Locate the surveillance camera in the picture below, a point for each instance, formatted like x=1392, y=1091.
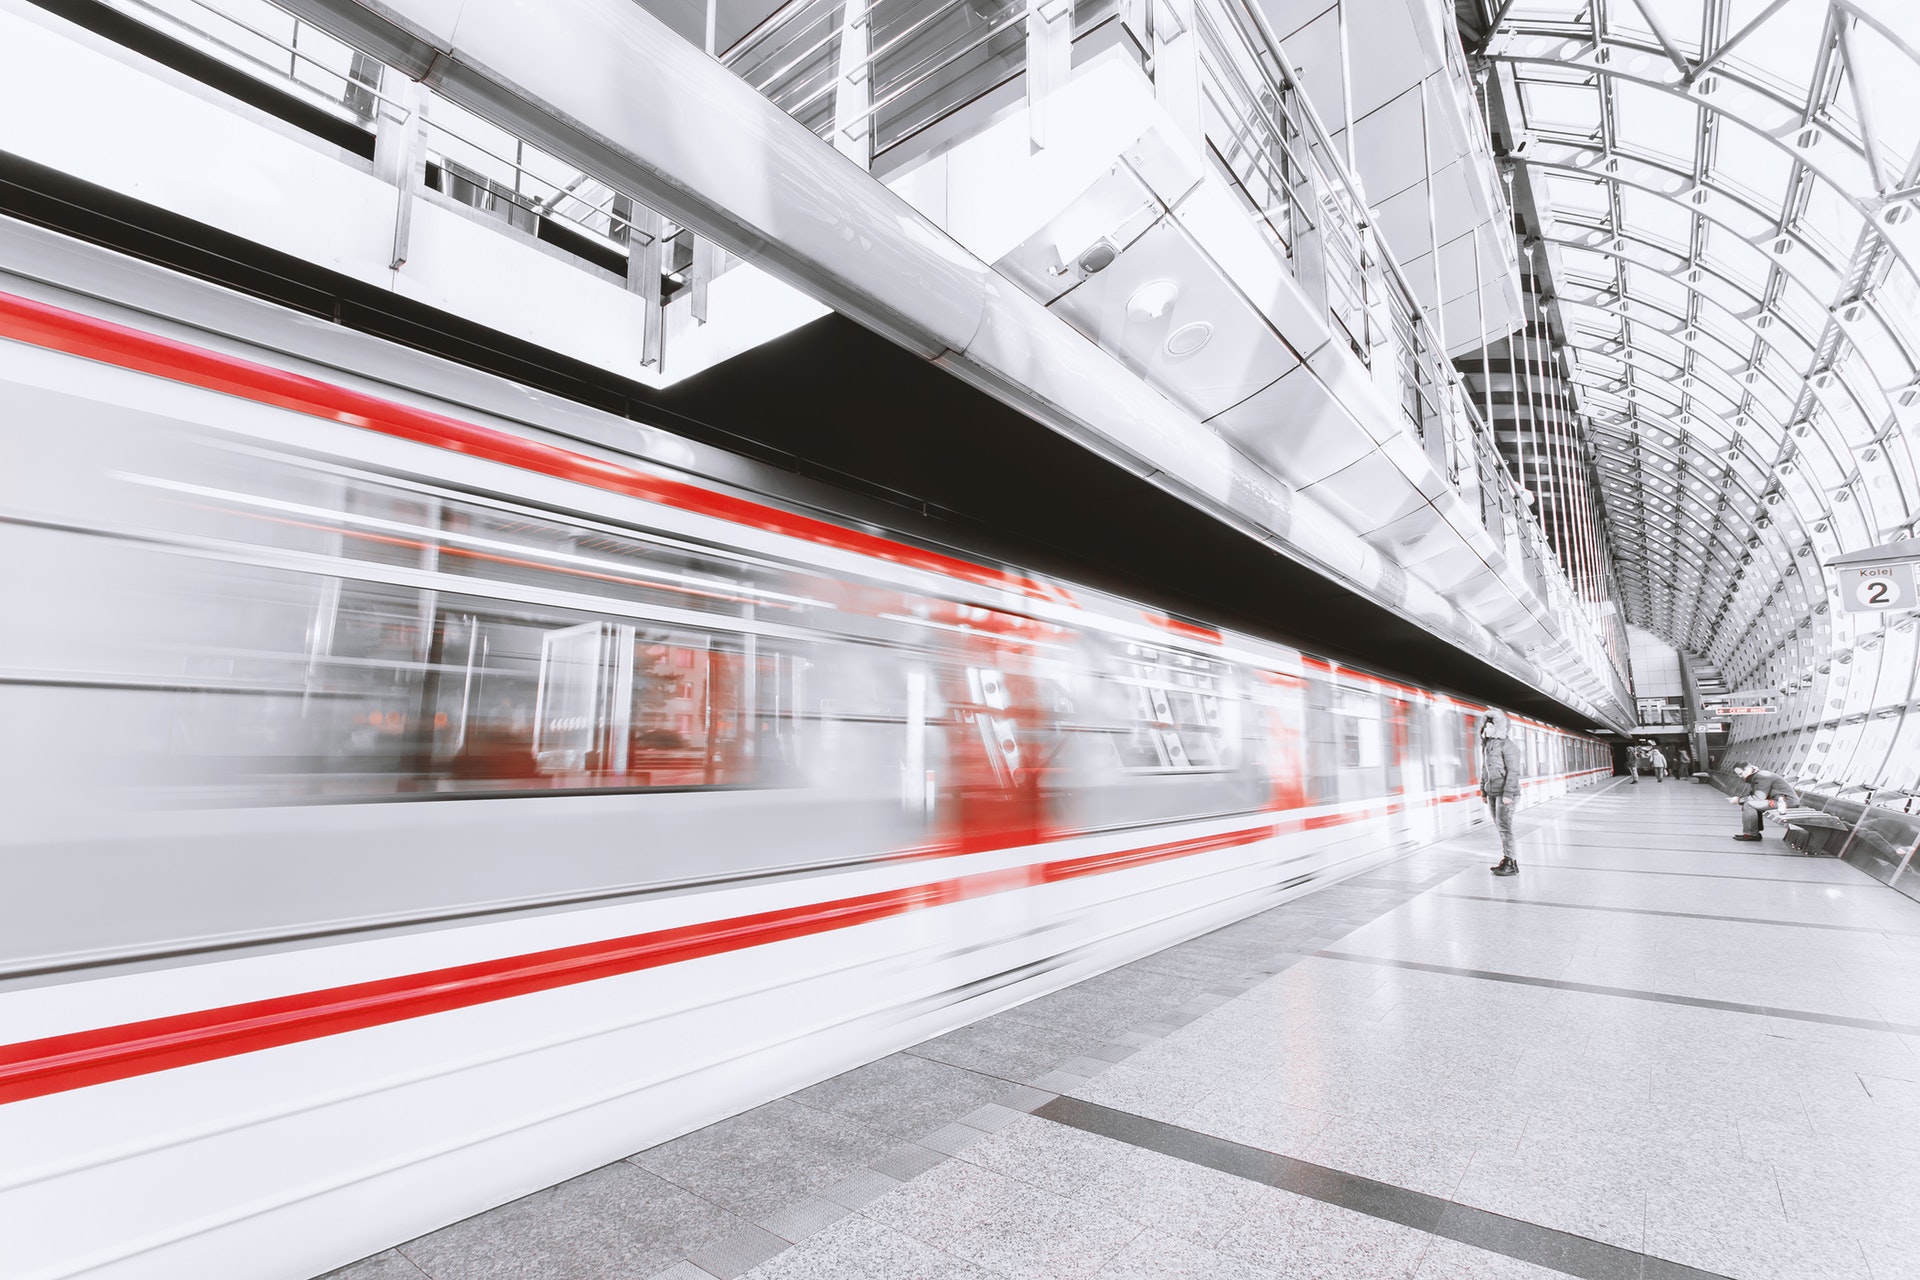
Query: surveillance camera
x=1098, y=257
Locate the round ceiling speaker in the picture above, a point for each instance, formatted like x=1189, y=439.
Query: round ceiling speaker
x=1189, y=338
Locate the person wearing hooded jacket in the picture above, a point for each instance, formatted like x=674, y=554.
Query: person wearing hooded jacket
x=1502, y=769
x=1759, y=792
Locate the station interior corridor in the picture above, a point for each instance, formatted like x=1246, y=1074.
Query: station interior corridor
x=864, y=639
x=1654, y=1053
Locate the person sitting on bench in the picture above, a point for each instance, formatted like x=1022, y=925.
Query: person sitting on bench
x=1761, y=792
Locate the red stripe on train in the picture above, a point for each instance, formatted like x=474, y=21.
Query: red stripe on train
x=92, y=338
x=59, y=1063
x=56, y=1064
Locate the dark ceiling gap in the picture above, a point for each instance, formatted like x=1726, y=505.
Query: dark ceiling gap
x=916, y=450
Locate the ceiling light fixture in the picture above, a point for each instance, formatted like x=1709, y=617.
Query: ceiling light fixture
x=1152, y=300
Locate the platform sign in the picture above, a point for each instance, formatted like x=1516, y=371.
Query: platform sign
x=1876, y=588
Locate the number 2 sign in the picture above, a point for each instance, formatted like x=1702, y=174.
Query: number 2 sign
x=1877, y=588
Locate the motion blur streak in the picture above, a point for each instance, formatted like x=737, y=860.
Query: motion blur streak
x=410, y=807
x=38, y=1067
x=27, y=321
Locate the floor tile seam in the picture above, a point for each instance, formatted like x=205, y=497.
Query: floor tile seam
x=1249, y=977
x=1667, y=829
x=1690, y=850
x=1631, y=993
x=741, y=1240
x=958, y=1261
x=1668, y=840
x=1447, y=1217
x=409, y=1259
x=1683, y=915
x=1640, y=817
x=1162, y=1025
x=982, y=1267
x=940, y=1158
x=1870, y=883
x=677, y=1185
x=741, y=1223
x=943, y=1157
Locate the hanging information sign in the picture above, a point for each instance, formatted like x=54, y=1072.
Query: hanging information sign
x=1876, y=579
x=1876, y=588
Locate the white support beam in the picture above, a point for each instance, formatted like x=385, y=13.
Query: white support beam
x=645, y=248
x=1727, y=46
x=1659, y=30
x=1862, y=106
x=400, y=154
x=1049, y=61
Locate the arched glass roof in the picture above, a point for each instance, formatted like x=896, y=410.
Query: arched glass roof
x=1726, y=194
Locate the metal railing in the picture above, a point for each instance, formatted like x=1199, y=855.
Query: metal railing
x=272, y=44
x=871, y=75
x=1259, y=126
x=420, y=140
x=1366, y=294
x=943, y=58
x=878, y=72
x=490, y=169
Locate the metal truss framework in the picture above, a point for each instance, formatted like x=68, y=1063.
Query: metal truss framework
x=1725, y=192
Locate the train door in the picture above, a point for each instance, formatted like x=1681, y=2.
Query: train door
x=1420, y=771
x=1002, y=734
x=1283, y=699
x=1400, y=767
x=1322, y=745
x=1467, y=733
x=1363, y=756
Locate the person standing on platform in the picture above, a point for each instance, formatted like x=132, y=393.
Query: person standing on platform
x=1659, y=763
x=1501, y=772
x=1633, y=762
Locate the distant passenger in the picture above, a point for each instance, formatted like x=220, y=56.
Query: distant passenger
x=1659, y=763
x=1761, y=792
x=1633, y=764
x=1501, y=772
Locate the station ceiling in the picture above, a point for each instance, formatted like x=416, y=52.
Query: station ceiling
x=1722, y=195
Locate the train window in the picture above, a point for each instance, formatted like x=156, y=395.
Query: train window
x=1359, y=728
x=604, y=704
x=1183, y=711
x=1448, y=742
x=1418, y=765
x=1323, y=753
x=435, y=644
x=1345, y=742
x=513, y=700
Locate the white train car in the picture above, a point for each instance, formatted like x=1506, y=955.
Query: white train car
x=410, y=804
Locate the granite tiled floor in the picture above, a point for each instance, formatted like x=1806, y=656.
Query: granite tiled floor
x=1655, y=1053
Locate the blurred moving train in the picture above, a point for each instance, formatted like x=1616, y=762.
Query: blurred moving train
x=411, y=802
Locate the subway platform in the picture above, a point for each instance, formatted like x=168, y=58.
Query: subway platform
x=1655, y=1053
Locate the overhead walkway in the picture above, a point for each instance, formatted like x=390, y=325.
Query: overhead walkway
x=1149, y=268
x=1654, y=1053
